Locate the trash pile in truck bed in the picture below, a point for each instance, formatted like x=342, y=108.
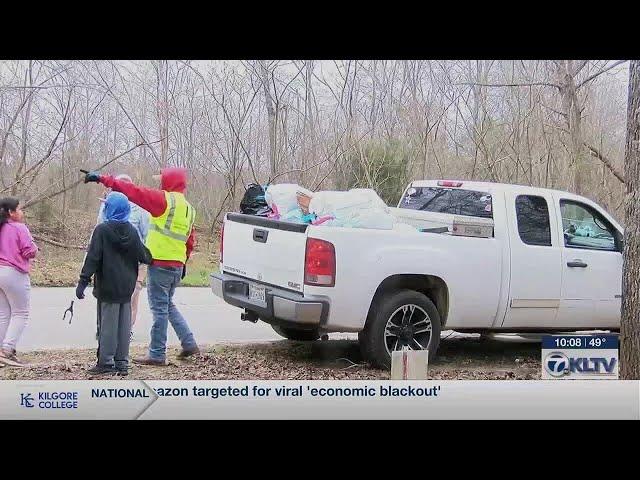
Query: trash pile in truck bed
x=356, y=208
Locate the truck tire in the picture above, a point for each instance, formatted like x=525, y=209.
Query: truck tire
x=296, y=334
x=384, y=330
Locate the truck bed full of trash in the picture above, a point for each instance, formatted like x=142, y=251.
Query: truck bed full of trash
x=356, y=208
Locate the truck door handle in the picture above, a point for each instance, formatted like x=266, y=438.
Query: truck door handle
x=260, y=235
x=577, y=263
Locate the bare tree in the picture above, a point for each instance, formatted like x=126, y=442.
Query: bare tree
x=546, y=123
x=630, y=322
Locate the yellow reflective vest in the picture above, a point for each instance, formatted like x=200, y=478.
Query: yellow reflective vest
x=168, y=233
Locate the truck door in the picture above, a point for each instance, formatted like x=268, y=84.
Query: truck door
x=591, y=267
x=535, y=254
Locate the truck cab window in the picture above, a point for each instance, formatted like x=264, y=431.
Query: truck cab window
x=448, y=200
x=584, y=227
x=532, y=213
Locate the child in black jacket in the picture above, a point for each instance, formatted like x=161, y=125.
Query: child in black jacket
x=114, y=254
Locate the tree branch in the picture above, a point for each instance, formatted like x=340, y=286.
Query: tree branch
x=563, y=114
x=306, y=169
x=594, y=152
x=579, y=67
x=588, y=79
x=75, y=184
x=58, y=244
x=532, y=84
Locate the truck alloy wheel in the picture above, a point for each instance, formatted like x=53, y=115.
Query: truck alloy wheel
x=397, y=319
x=408, y=326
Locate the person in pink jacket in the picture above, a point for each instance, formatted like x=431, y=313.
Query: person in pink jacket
x=16, y=251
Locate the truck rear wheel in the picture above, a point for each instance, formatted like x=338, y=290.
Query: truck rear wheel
x=398, y=319
x=296, y=334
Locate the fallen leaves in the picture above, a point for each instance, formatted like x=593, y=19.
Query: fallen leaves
x=458, y=359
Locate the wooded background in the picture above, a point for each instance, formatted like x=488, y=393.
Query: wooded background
x=322, y=124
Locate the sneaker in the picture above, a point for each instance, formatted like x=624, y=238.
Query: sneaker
x=122, y=372
x=8, y=357
x=149, y=361
x=187, y=353
x=101, y=370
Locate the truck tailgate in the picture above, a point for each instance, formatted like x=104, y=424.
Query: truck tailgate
x=268, y=251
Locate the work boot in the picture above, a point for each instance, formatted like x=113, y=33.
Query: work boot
x=187, y=353
x=149, y=361
x=8, y=357
x=101, y=370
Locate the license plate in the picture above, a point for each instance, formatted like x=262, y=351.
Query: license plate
x=257, y=293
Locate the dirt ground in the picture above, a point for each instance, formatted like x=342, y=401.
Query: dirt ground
x=459, y=358
x=60, y=267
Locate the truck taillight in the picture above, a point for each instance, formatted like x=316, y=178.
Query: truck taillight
x=319, y=263
x=449, y=183
x=221, y=242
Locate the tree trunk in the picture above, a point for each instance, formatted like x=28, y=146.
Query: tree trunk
x=478, y=112
x=26, y=119
x=630, y=322
x=309, y=134
x=271, y=114
x=162, y=103
x=573, y=118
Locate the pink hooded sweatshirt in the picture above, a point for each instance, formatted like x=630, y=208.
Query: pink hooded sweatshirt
x=16, y=246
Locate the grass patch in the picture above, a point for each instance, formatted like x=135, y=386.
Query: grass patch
x=56, y=267
x=200, y=267
x=60, y=267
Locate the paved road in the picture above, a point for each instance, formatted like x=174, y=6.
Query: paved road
x=211, y=320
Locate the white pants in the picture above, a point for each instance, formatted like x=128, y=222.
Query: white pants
x=135, y=298
x=15, y=295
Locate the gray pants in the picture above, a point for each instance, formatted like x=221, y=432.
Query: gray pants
x=115, y=332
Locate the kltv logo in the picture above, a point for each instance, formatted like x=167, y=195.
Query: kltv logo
x=557, y=364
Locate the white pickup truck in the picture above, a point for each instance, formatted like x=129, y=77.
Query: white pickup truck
x=490, y=258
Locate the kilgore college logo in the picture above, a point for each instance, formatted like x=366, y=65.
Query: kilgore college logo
x=50, y=400
x=556, y=364
x=26, y=400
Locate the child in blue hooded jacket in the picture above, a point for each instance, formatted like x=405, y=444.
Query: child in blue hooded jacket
x=114, y=255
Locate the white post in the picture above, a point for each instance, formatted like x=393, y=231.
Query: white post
x=409, y=364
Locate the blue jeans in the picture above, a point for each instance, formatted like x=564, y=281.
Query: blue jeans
x=161, y=285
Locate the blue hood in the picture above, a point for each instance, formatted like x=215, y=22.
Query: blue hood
x=116, y=207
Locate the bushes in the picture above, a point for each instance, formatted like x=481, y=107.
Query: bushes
x=380, y=165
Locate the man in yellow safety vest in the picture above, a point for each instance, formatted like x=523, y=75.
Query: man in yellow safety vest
x=171, y=240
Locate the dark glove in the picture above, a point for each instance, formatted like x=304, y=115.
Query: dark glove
x=80, y=290
x=92, y=177
x=184, y=272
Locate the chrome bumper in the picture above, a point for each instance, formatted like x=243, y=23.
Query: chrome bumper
x=280, y=304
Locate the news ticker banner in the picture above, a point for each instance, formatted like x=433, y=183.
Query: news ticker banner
x=363, y=399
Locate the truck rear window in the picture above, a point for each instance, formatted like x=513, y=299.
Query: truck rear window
x=448, y=200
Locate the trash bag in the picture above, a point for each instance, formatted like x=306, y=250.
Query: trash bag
x=288, y=201
x=357, y=208
x=327, y=202
x=285, y=196
x=295, y=215
x=321, y=220
x=373, y=218
x=253, y=201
